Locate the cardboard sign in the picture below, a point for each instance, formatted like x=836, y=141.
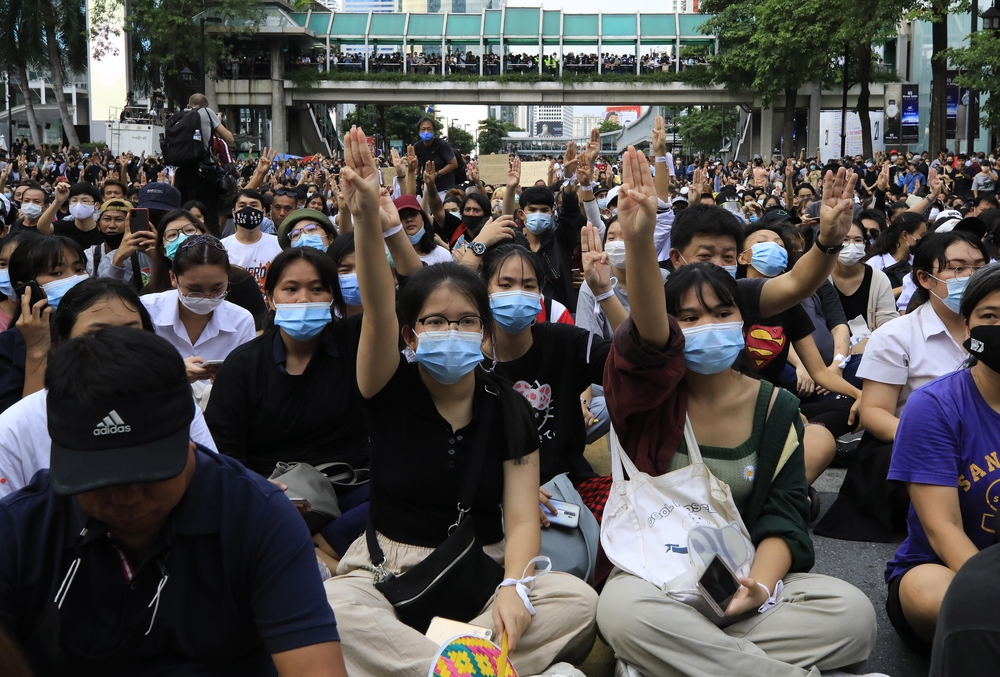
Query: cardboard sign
x=493, y=168
x=533, y=171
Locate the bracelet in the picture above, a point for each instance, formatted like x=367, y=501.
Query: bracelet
x=608, y=294
x=661, y=158
x=840, y=359
x=523, y=585
x=392, y=231
x=772, y=600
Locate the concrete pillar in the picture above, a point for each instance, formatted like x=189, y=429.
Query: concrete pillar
x=279, y=115
x=815, y=105
x=766, y=133
x=210, y=94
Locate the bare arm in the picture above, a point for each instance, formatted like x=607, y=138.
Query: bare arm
x=315, y=660
x=224, y=134
x=935, y=185
x=878, y=409
x=813, y=362
x=662, y=179
x=404, y=256
x=513, y=181
x=941, y=517
x=597, y=272
x=432, y=201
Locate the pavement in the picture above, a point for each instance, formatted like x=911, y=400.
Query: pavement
x=860, y=563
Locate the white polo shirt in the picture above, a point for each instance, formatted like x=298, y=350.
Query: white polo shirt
x=230, y=327
x=911, y=351
x=25, y=444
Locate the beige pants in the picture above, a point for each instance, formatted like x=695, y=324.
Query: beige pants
x=376, y=644
x=823, y=624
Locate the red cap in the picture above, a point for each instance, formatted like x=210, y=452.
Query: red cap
x=406, y=202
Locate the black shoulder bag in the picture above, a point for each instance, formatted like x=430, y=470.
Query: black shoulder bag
x=458, y=578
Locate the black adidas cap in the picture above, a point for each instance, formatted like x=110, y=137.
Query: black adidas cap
x=119, y=441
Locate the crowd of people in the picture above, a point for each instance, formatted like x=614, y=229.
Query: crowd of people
x=189, y=381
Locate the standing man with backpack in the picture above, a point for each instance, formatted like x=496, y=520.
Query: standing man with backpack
x=187, y=144
x=433, y=148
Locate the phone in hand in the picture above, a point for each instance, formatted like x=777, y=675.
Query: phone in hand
x=567, y=514
x=301, y=503
x=718, y=585
x=138, y=220
x=36, y=292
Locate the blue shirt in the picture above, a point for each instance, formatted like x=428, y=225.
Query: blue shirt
x=243, y=581
x=948, y=436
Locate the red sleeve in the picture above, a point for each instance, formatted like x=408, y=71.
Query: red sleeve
x=646, y=399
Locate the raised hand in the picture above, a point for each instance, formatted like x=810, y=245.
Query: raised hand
x=496, y=231
x=637, y=198
x=388, y=213
x=659, y=137
x=472, y=171
x=570, y=159
x=514, y=174
x=400, y=163
x=359, y=182
x=430, y=174
x=882, y=183
x=596, y=266
x=62, y=192
x=593, y=147
x=837, y=209
x=934, y=183
x=411, y=159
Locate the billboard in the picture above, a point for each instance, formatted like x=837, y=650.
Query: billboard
x=829, y=124
x=952, y=105
x=626, y=114
x=910, y=124
x=549, y=129
x=893, y=119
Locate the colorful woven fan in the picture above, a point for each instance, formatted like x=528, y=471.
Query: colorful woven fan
x=467, y=656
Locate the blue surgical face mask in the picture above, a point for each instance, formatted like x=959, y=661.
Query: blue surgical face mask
x=538, y=223
x=426, y=136
x=55, y=290
x=956, y=287
x=449, y=355
x=310, y=240
x=302, y=321
x=769, y=258
x=417, y=236
x=349, y=288
x=731, y=270
x=170, y=249
x=602, y=203
x=5, y=286
x=712, y=348
x=515, y=310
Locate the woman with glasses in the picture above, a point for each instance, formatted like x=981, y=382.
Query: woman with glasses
x=194, y=315
x=306, y=228
x=178, y=226
x=901, y=356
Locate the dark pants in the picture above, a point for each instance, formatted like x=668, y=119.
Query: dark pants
x=344, y=530
x=192, y=187
x=967, y=640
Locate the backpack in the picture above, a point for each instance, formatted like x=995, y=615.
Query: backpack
x=181, y=142
x=460, y=175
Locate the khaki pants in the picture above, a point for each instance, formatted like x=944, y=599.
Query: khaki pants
x=823, y=624
x=376, y=644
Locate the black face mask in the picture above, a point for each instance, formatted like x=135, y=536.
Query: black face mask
x=473, y=223
x=248, y=218
x=984, y=344
x=113, y=240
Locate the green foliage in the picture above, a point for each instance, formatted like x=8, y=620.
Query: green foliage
x=491, y=131
x=393, y=122
x=609, y=126
x=701, y=129
x=461, y=140
x=980, y=64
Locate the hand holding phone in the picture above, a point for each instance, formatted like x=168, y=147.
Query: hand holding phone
x=138, y=220
x=718, y=585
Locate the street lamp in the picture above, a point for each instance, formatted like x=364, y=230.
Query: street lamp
x=205, y=20
x=991, y=19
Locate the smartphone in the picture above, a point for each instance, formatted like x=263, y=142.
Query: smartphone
x=212, y=363
x=138, y=220
x=567, y=514
x=443, y=630
x=36, y=292
x=718, y=585
x=299, y=502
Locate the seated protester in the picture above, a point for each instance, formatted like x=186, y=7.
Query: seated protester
x=552, y=241
x=302, y=373
x=84, y=203
x=124, y=255
x=244, y=592
x=8, y=296
x=419, y=231
x=441, y=402
x=678, y=356
x=343, y=256
x=458, y=232
x=317, y=202
x=550, y=364
x=245, y=198
x=159, y=198
x=284, y=202
x=31, y=203
x=901, y=356
x=892, y=252
x=250, y=248
x=176, y=227
x=87, y=308
x=965, y=642
x=945, y=451
x=112, y=189
x=306, y=228
x=864, y=292
x=198, y=210
x=55, y=265
x=195, y=316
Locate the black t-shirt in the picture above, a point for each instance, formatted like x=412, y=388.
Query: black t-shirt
x=260, y=414
x=857, y=303
x=825, y=312
x=441, y=153
x=67, y=228
x=418, y=463
x=92, y=173
x=551, y=376
x=768, y=338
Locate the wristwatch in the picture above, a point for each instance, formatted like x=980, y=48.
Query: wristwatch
x=834, y=249
x=478, y=248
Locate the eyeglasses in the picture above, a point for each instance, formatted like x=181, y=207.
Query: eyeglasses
x=221, y=294
x=286, y=193
x=962, y=271
x=854, y=240
x=472, y=323
x=308, y=229
x=187, y=229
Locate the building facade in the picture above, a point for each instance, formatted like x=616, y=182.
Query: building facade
x=554, y=121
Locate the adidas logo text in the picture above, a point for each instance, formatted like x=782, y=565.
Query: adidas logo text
x=112, y=424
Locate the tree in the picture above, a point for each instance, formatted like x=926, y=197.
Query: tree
x=936, y=12
x=702, y=129
x=609, y=126
x=66, y=46
x=392, y=122
x=461, y=140
x=980, y=70
x=773, y=47
x=21, y=42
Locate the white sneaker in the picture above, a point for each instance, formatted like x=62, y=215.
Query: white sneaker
x=623, y=669
x=841, y=673
x=560, y=670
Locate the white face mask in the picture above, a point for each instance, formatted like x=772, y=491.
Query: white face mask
x=200, y=306
x=852, y=253
x=31, y=211
x=81, y=211
x=616, y=253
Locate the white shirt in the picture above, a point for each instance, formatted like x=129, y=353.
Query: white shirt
x=256, y=257
x=438, y=255
x=229, y=327
x=911, y=351
x=25, y=444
